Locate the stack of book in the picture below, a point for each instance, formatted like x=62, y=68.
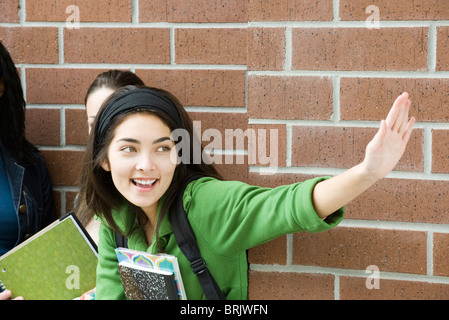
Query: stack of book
x=150, y=277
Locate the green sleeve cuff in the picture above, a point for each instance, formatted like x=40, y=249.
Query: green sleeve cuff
x=312, y=222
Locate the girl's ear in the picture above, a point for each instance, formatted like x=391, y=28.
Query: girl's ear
x=105, y=165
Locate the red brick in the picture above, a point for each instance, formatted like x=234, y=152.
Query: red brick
x=57, y=203
x=266, y=48
x=9, y=11
x=261, y=152
x=31, y=44
x=222, y=122
x=226, y=126
x=64, y=166
x=76, y=128
x=355, y=289
x=341, y=147
x=296, y=10
x=194, y=11
x=233, y=169
x=273, y=252
x=440, y=257
x=385, y=49
x=211, y=46
x=211, y=88
x=403, y=200
x=89, y=11
x=43, y=126
x=117, y=45
x=65, y=86
x=442, y=63
x=440, y=151
x=70, y=200
x=395, y=10
x=358, y=248
x=371, y=98
x=290, y=97
x=290, y=286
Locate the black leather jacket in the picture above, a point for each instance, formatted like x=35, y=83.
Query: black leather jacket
x=32, y=194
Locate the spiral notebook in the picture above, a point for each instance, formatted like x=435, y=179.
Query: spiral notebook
x=143, y=283
x=58, y=263
x=161, y=261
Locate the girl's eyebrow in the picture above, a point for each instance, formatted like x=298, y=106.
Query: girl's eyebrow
x=161, y=140
x=131, y=140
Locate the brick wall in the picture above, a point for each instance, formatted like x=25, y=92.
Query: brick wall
x=321, y=73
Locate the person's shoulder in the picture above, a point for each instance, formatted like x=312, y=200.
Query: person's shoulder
x=38, y=161
x=211, y=184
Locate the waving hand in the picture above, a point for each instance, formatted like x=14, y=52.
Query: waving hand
x=382, y=155
x=388, y=145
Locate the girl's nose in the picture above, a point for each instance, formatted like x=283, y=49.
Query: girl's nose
x=145, y=163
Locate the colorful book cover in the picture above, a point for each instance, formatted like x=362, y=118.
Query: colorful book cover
x=160, y=261
x=58, y=263
x=143, y=283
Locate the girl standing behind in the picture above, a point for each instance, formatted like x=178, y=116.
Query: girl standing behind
x=26, y=203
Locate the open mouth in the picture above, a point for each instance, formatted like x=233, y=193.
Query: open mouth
x=144, y=183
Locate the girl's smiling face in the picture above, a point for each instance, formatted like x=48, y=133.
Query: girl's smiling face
x=142, y=160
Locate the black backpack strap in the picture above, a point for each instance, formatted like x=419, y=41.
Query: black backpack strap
x=186, y=240
x=121, y=240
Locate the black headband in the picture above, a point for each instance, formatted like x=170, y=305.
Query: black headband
x=138, y=98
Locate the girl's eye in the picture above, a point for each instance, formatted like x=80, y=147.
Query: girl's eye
x=128, y=149
x=163, y=149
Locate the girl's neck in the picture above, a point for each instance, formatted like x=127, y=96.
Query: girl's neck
x=150, y=225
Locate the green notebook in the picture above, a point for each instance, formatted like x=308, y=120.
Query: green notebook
x=58, y=263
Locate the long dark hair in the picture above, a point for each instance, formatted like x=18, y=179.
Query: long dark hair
x=12, y=112
x=97, y=185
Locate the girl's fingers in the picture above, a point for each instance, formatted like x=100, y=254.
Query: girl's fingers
x=397, y=118
x=393, y=114
x=402, y=120
x=405, y=119
x=402, y=104
x=408, y=130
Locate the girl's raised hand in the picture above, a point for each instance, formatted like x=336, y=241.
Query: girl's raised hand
x=388, y=145
x=382, y=155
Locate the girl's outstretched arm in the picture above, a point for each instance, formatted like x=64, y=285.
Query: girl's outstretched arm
x=382, y=155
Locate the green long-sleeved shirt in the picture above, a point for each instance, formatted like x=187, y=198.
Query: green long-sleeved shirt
x=228, y=217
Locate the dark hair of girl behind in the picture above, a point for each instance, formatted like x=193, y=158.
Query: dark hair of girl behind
x=12, y=112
